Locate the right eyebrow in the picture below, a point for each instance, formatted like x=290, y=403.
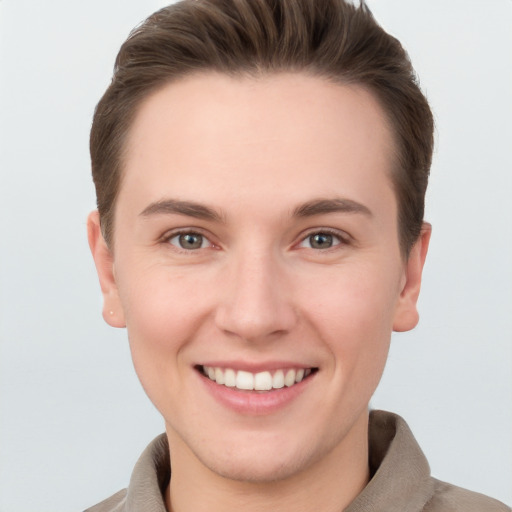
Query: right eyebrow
x=188, y=208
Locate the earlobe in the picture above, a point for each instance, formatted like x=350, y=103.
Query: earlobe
x=112, y=310
x=406, y=314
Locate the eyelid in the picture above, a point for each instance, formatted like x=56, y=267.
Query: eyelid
x=343, y=237
x=169, y=235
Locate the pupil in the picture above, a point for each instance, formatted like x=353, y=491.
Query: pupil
x=321, y=241
x=191, y=241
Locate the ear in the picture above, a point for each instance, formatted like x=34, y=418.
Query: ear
x=406, y=314
x=112, y=310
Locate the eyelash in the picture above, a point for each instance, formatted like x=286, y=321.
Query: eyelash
x=166, y=239
x=342, y=239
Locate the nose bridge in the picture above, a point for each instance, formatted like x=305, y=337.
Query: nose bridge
x=256, y=302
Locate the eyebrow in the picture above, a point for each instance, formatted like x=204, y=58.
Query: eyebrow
x=201, y=211
x=188, y=208
x=323, y=206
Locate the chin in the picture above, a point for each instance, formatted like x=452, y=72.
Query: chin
x=262, y=460
x=257, y=470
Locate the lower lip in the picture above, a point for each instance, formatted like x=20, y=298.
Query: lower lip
x=253, y=402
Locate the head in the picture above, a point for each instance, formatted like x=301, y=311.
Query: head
x=333, y=40
x=260, y=168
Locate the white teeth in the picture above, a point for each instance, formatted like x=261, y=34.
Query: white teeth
x=244, y=380
x=219, y=376
x=262, y=381
x=278, y=380
x=229, y=378
x=289, y=378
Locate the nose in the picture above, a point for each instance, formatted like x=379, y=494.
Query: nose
x=256, y=303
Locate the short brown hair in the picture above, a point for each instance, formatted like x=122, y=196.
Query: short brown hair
x=332, y=39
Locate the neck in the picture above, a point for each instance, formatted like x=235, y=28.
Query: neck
x=327, y=485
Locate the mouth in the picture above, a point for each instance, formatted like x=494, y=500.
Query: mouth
x=263, y=381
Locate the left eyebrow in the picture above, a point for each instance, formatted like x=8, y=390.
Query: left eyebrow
x=323, y=206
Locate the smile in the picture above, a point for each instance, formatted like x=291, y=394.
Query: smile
x=261, y=381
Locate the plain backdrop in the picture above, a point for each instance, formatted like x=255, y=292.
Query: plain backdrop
x=73, y=418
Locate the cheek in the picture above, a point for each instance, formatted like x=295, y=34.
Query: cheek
x=161, y=306
x=163, y=314
x=355, y=296
x=353, y=310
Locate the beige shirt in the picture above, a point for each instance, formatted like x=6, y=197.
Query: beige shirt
x=400, y=482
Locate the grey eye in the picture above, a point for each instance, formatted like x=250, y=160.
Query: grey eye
x=320, y=240
x=189, y=241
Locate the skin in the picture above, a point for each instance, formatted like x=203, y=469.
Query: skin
x=256, y=291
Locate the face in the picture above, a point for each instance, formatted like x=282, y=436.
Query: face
x=256, y=245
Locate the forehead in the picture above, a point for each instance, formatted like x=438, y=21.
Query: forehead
x=210, y=133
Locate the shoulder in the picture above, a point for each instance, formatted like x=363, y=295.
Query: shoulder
x=450, y=498
x=148, y=481
x=116, y=503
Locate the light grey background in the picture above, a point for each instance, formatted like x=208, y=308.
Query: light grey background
x=73, y=418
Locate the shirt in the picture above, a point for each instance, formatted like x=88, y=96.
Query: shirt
x=400, y=481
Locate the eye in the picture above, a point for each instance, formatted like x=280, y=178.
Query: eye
x=189, y=241
x=321, y=240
